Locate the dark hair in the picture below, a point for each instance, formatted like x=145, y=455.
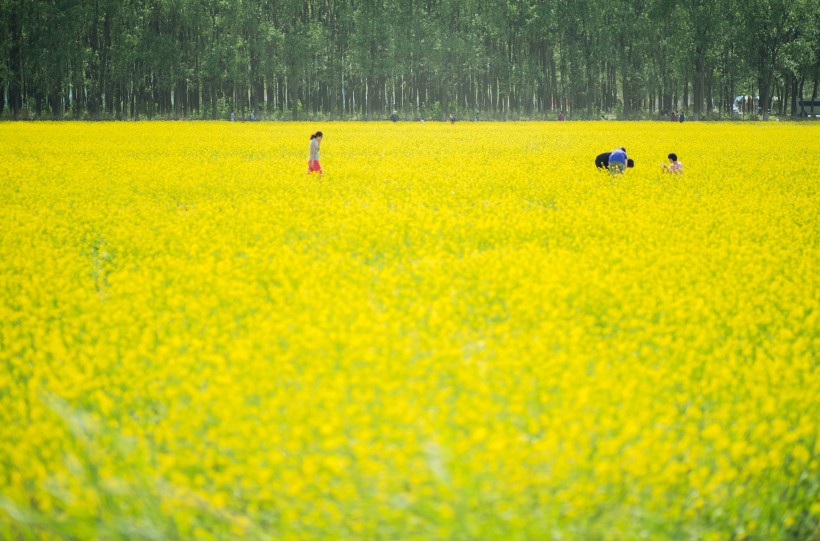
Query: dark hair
x=315, y=135
x=630, y=162
x=622, y=148
x=672, y=156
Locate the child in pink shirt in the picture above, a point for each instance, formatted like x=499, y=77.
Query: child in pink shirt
x=674, y=165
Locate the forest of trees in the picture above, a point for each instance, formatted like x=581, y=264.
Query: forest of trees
x=363, y=59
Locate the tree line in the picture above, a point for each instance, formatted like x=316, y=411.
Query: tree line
x=365, y=59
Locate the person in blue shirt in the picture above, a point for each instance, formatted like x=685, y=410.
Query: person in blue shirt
x=621, y=162
x=617, y=161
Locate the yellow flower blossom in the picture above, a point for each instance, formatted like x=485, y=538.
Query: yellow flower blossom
x=457, y=332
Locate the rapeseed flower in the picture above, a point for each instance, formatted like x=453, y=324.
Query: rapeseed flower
x=201, y=342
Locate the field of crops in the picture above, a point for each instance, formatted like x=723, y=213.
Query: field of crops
x=457, y=333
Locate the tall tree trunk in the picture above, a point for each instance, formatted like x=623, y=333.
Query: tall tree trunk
x=764, y=88
x=15, y=88
x=709, y=90
x=179, y=92
x=797, y=86
x=93, y=72
x=54, y=102
x=697, y=84
x=625, y=90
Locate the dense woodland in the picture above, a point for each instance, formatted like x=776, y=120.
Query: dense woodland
x=364, y=59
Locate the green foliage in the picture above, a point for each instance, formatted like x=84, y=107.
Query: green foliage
x=435, y=111
x=514, y=59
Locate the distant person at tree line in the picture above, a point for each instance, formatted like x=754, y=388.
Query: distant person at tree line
x=452, y=118
x=616, y=161
x=394, y=117
x=674, y=165
x=313, y=158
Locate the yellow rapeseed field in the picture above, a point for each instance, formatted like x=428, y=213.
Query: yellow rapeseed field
x=457, y=333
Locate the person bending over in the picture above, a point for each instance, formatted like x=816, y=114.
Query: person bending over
x=602, y=161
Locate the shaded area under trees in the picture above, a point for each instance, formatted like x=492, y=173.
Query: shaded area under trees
x=297, y=59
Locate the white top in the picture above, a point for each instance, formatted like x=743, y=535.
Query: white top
x=314, y=150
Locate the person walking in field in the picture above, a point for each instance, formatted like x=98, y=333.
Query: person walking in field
x=313, y=157
x=674, y=165
x=603, y=160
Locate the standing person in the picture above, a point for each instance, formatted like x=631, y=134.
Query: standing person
x=452, y=118
x=313, y=158
x=674, y=166
x=602, y=160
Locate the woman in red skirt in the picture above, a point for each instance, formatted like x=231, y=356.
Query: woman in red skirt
x=313, y=158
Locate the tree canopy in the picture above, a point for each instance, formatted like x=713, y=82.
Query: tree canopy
x=502, y=59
